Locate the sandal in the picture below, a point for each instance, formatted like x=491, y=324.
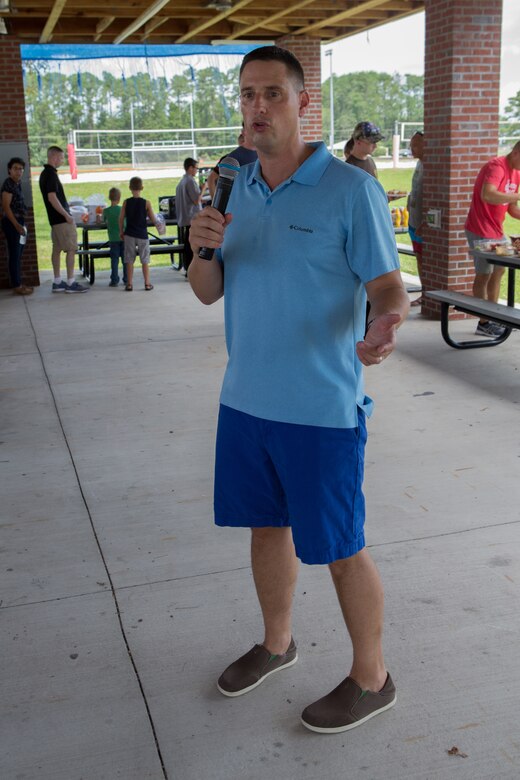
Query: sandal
x=129, y=288
x=418, y=302
x=148, y=287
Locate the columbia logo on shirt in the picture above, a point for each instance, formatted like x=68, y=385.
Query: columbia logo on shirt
x=301, y=229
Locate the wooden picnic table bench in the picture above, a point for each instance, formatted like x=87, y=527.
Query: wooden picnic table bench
x=405, y=249
x=88, y=256
x=504, y=314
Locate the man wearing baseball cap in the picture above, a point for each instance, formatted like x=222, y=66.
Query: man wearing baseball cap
x=365, y=138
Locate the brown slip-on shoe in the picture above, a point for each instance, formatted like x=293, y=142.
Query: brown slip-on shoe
x=252, y=669
x=347, y=706
x=22, y=290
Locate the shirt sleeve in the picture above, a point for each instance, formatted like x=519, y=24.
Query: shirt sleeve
x=9, y=186
x=371, y=247
x=494, y=173
x=193, y=190
x=50, y=184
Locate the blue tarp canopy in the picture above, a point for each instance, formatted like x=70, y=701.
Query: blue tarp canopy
x=80, y=51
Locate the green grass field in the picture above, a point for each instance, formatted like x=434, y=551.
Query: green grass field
x=390, y=178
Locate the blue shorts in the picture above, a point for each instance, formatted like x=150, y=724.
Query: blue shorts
x=300, y=476
x=413, y=235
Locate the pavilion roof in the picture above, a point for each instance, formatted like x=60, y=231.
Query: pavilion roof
x=196, y=21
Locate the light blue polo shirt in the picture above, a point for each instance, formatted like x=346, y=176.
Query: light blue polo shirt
x=295, y=263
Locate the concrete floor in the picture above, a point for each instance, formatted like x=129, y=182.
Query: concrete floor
x=121, y=603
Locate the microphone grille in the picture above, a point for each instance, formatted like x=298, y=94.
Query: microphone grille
x=229, y=167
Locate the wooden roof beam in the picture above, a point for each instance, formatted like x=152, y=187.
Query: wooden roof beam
x=270, y=19
x=350, y=13
x=51, y=22
x=150, y=12
x=197, y=28
x=153, y=25
x=340, y=36
x=102, y=26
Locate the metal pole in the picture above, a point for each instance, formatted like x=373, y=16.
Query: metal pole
x=395, y=146
x=192, y=127
x=132, y=129
x=328, y=53
x=191, y=111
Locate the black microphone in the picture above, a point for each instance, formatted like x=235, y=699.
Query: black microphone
x=228, y=170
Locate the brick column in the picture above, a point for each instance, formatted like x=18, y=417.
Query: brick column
x=13, y=128
x=308, y=52
x=461, y=104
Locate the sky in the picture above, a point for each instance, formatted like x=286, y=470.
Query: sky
x=399, y=48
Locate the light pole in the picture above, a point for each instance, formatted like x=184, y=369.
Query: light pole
x=328, y=53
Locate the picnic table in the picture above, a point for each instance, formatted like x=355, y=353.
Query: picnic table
x=504, y=314
x=89, y=250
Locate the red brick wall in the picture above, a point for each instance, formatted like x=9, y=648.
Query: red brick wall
x=13, y=127
x=461, y=103
x=308, y=52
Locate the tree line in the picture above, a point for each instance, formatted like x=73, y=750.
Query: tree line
x=381, y=98
x=57, y=103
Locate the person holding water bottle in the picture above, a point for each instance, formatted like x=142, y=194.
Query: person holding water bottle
x=13, y=223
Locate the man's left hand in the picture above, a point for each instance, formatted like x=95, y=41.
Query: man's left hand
x=380, y=339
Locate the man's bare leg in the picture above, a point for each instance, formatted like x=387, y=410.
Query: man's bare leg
x=360, y=594
x=487, y=287
x=56, y=261
x=69, y=259
x=493, y=286
x=275, y=571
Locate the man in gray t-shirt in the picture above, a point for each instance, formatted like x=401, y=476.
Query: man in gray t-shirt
x=187, y=204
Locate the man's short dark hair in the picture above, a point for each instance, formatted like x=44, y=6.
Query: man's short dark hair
x=136, y=183
x=55, y=150
x=189, y=162
x=267, y=53
x=15, y=161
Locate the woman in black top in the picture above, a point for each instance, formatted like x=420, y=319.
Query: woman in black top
x=13, y=223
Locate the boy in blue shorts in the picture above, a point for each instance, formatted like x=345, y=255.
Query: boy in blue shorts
x=307, y=238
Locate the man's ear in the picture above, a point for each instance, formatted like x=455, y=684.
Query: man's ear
x=304, y=102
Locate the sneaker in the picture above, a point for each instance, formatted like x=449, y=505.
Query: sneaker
x=489, y=329
x=252, y=669
x=347, y=706
x=113, y=284
x=75, y=288
x=61, y=287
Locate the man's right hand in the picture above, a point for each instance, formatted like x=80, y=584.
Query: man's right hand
x=70, y=219
x=207, y=229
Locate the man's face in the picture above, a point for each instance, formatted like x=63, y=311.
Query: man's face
x=56, y=159
x=192, y=170
x=515, y=159
x=416, y=146
x=16, y=172
x=272, y=104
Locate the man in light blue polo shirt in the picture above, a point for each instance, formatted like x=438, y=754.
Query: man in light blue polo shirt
x=306, y=239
